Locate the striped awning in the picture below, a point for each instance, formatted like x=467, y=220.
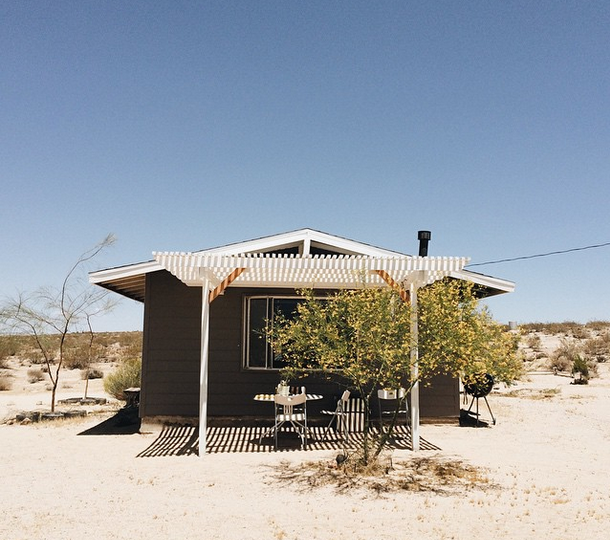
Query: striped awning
x=305, y=271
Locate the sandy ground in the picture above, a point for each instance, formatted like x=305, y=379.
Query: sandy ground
x=547, y=460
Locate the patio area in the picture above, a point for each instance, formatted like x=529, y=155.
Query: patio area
x=183, y=440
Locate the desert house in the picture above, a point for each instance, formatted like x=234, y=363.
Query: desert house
x=203, y=355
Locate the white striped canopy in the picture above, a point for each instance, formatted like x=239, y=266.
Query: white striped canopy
x=306, y=271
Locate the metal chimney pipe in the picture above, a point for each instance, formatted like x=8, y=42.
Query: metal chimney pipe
x=424, y=238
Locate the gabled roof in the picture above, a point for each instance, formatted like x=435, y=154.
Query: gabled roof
x=302, y=242
x=316, y=250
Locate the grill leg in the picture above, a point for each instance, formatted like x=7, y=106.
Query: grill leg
x=489, y=409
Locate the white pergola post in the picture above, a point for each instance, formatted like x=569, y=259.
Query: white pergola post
x=203, y=374
x=414, y=368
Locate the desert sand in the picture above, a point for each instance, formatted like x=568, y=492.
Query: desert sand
x=547, y=462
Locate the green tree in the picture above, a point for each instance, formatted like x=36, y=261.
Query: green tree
x=362, y=339
x=51, y=314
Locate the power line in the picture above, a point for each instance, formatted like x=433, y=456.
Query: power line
x=540, y=255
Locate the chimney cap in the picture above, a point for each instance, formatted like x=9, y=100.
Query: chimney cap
x=424, y=235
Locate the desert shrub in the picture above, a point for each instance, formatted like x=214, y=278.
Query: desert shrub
x=34, y=356
x=598, y=326
x=35, y=375
x=6, y=382
x=581, y=332
x=92, y=373
x=563, y=357
x=532, y=327
x=8, y=348
x=598, y=347
x=566, y=328
x=127, y=375
x=580, y=366
x=583, y=369
x=533, y=341
x=75, y=358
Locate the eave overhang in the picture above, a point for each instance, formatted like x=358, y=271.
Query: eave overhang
x=129, y=281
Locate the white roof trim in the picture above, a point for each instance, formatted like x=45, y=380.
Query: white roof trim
x=501, y=285
x=122, y=272
x=306, y=237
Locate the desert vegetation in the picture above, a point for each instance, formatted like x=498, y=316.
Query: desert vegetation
x=567, y=348
x=111, y=352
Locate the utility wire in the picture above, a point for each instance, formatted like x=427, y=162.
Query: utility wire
x=540, y=255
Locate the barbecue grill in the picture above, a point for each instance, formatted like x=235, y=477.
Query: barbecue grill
x=479, y=387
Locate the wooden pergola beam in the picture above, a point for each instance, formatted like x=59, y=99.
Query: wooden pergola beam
x=404, y=295
x=225, y=283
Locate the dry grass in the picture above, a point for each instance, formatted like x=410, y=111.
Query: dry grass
x=544, y=393
x=427, y=474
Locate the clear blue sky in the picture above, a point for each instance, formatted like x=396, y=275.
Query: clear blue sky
x=185, y=125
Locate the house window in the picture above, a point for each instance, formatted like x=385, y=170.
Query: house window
x=259, y=310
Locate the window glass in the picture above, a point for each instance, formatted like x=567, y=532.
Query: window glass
x=257, y=344
x=259, y=311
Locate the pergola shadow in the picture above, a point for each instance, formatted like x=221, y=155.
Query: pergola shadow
x=183, y=440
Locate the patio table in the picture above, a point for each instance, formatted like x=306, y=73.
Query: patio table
x=270, y=398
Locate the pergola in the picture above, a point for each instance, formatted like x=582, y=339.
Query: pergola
x=214, y=272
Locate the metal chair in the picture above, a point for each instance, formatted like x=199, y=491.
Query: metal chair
x=338, y=416
x=291, y=410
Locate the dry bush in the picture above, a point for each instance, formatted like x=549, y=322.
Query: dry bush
x=35, y=375
x=533, y=341
x=92, y=373
x=562, y=358
x=76, y=358
x=566, y=328
x=532, y=393
x=116, y=346
x=598, y=347
x=6, y=382
x=8, y=348
x=581, y=332
x=433, y=474
x=34, y=356
x=598, y=326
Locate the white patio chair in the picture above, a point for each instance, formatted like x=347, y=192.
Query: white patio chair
x=338, y=416
x=384, y=395
x=291, y=410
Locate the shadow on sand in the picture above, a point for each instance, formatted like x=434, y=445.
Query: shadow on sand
x=183, y=440
x=124, y=422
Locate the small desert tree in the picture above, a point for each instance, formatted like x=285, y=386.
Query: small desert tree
x=50, y=314
x=363, y=338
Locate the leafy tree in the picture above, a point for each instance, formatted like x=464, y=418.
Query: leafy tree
x=51, y=314
x=362, y=339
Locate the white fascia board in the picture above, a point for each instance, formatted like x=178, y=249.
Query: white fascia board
x=350, y=246
x=279, y=241
x=486, y=281
x=121, y=272
x=293, y=238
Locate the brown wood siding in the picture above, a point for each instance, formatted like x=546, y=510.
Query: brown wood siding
x=171, y=358
x=441, y=398
x=172, y=340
